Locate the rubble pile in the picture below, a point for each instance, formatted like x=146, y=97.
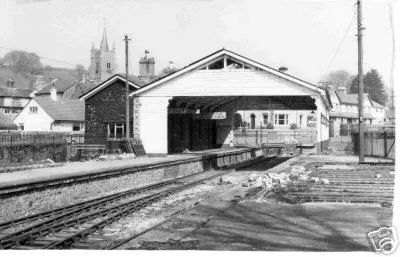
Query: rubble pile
x=275, y=181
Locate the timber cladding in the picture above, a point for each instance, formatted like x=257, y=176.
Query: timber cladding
x=106, y=106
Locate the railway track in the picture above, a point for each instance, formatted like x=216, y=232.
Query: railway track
x=12, y=190
x=60, y=228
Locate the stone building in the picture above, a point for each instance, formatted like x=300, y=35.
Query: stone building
x=105, y=115
x=102, y=61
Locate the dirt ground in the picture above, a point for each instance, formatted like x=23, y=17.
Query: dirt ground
x=236, y=220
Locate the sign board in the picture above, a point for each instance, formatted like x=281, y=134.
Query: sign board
x=211, y=116
x=180, y=111
x=311, y=121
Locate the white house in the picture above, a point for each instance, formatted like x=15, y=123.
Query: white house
x=345, y=110
x=46, y=114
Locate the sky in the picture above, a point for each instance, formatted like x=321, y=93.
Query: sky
x=301, y=35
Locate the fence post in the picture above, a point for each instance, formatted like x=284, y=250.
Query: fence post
x=385, y=144
x=372, y=145
x=256, y=137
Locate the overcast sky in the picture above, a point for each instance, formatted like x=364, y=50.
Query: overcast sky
x=302, y=35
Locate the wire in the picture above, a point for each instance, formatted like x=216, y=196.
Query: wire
x=341, y=42
x=41, y=57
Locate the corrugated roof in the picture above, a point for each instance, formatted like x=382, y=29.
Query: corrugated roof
x=6, y=123
x=66, y=110
x=15, y=92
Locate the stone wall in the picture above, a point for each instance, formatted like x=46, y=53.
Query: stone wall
x=106, y=106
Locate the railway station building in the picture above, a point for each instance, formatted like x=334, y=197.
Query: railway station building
x=224, y=98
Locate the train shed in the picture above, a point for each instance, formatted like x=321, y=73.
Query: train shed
x=210, y=102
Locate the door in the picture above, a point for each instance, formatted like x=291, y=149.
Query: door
x=252, y=121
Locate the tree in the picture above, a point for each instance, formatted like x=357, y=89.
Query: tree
x=167, y=70
x=373, y=85
x=21, y=61
x=339, y=78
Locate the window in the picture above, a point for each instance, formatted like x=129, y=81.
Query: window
x=115, y=130
x=265, y=119
x=7, y=110
x=108, y=65
x=281, y=119
x=216, y=65
x=33, y=109
x=76, y=127
x=21, y=126
x=14, y=110
x=16, y=101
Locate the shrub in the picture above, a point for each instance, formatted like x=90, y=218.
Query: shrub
x=270, y=126
x=293, y=126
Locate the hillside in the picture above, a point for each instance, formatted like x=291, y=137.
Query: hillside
x=24, y=79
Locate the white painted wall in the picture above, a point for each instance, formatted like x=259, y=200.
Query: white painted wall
x=153, y=119
x=228, y=82
x=293, y=117
x=153, y=113
x=39, y=121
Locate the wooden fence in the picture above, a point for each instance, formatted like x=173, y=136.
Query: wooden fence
x=377, y=144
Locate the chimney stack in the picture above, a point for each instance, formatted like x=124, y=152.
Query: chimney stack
x=10, y=82
x=342, y=90
x=53, y=91
x=171, y=65
x=83, y=80
x=146, y=67
x=283, y=69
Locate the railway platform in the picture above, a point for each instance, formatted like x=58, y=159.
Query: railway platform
x=96, y=168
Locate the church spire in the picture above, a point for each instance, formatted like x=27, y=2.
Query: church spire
x=103, y=43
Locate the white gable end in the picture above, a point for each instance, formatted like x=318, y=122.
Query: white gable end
x=245, y=82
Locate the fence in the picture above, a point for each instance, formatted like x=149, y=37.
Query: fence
x=27, y=147
x=377, y=143
x=261, y=136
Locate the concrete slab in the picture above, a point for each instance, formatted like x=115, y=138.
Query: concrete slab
x=334, y=167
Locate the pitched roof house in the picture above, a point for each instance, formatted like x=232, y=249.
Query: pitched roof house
x=12, y=99
x=46, y=114
x=105, y=106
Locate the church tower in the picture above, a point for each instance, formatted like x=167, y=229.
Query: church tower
x=102, y=60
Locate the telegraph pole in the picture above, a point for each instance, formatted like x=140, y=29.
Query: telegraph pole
x=360, y=83
x=126, y=39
